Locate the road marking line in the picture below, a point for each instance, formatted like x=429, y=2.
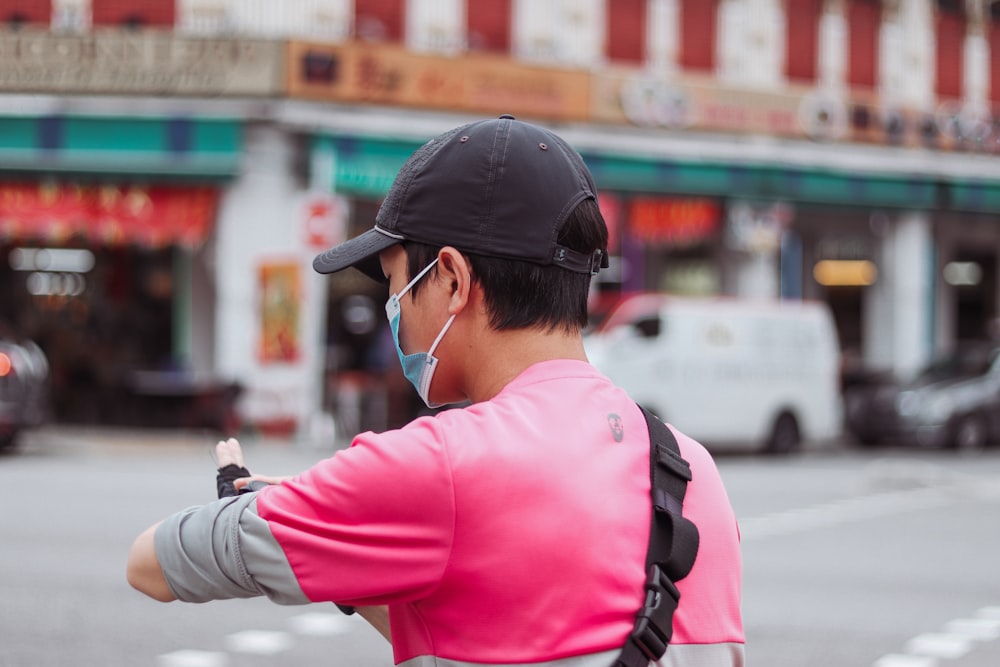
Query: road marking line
x=958, y=639
x=260, y=642
x=840, y=511
x=320, y=625
x=939, y=645
x=898, y=660
x=192, y=659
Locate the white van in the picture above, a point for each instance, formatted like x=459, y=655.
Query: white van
x=731, y=373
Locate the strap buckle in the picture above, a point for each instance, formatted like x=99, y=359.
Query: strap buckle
x=654, y=624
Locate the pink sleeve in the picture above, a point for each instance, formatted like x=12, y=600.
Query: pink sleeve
x=373, y=524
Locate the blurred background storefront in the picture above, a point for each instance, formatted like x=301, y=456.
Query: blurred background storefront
x=185, y=159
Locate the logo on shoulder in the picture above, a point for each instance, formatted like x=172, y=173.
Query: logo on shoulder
x=617, y=426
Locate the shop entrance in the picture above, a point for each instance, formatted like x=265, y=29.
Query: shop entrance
x=973, y=275
x=99, y=276
x=101, y=315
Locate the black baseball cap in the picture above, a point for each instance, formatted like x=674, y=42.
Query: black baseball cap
x=501, y=188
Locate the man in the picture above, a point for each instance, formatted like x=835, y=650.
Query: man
x=511, y=531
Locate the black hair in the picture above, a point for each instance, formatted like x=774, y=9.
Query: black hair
x=522, y=294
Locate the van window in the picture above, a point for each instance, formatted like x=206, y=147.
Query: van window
x=648, y=327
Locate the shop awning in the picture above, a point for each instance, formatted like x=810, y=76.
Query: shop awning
x=111, y=214
x=178, y=148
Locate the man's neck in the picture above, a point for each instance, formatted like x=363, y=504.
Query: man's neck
x=506, y=354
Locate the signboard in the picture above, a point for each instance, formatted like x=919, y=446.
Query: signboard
x=153, y=216
x=631, y=98
x=324, y=220
x=382, y=74
x=674, y=221
x=701, y=103
x=138, y=62
x=951, y=126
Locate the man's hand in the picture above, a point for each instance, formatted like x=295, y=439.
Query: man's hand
x=229, y=457
x=229, y=452
x=233, y=475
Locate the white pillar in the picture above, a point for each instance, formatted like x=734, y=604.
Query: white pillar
x=260, y=222
x=758, y=275
x=877, y=321
x=754, y=235
x=911, y=282
x=317, y=428
x=946, y=324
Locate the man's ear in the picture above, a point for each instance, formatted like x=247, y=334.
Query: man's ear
x=456, y=273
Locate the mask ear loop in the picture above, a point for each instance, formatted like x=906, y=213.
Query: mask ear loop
x=444, y=330
x=417, y=277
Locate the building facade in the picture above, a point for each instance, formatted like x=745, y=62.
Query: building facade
x=202, y=151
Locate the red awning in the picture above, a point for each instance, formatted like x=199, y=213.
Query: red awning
x=154, y=215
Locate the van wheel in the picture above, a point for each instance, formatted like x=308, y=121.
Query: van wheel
x=785, y=436
x=970, y=434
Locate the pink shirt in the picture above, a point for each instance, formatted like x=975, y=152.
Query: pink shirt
x=511, y=531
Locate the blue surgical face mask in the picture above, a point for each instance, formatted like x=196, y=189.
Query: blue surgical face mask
x=419, y=366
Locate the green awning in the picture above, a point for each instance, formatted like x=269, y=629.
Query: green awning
x=364, y=167
x=758, y=181
x=181, y=147
x=367, y=167
x=975, y=197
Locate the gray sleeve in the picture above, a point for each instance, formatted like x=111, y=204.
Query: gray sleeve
x=225, y=550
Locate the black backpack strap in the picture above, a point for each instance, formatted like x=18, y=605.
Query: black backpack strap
x=673, y=546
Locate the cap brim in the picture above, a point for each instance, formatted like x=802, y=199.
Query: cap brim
x=361, y=252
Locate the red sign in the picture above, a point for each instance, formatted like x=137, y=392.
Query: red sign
x=324, y=221
x=108, y=214
x=674, y=221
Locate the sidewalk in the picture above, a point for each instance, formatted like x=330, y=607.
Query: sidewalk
x=122, y=440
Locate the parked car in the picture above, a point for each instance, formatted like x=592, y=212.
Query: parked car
x=24, y=386
x=953, y=402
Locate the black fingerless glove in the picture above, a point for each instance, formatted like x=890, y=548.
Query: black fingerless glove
x=227, y=475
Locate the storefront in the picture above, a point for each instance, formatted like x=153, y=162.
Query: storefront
x=120, y=147
x=104, y=225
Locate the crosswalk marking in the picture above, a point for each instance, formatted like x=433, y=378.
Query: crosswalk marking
x=193, y=659
x=958, y=638
x=898, y=660
x=979, y=629
x=260, y=642
x=264, y=642
x=939, y=645
x=320, y=624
